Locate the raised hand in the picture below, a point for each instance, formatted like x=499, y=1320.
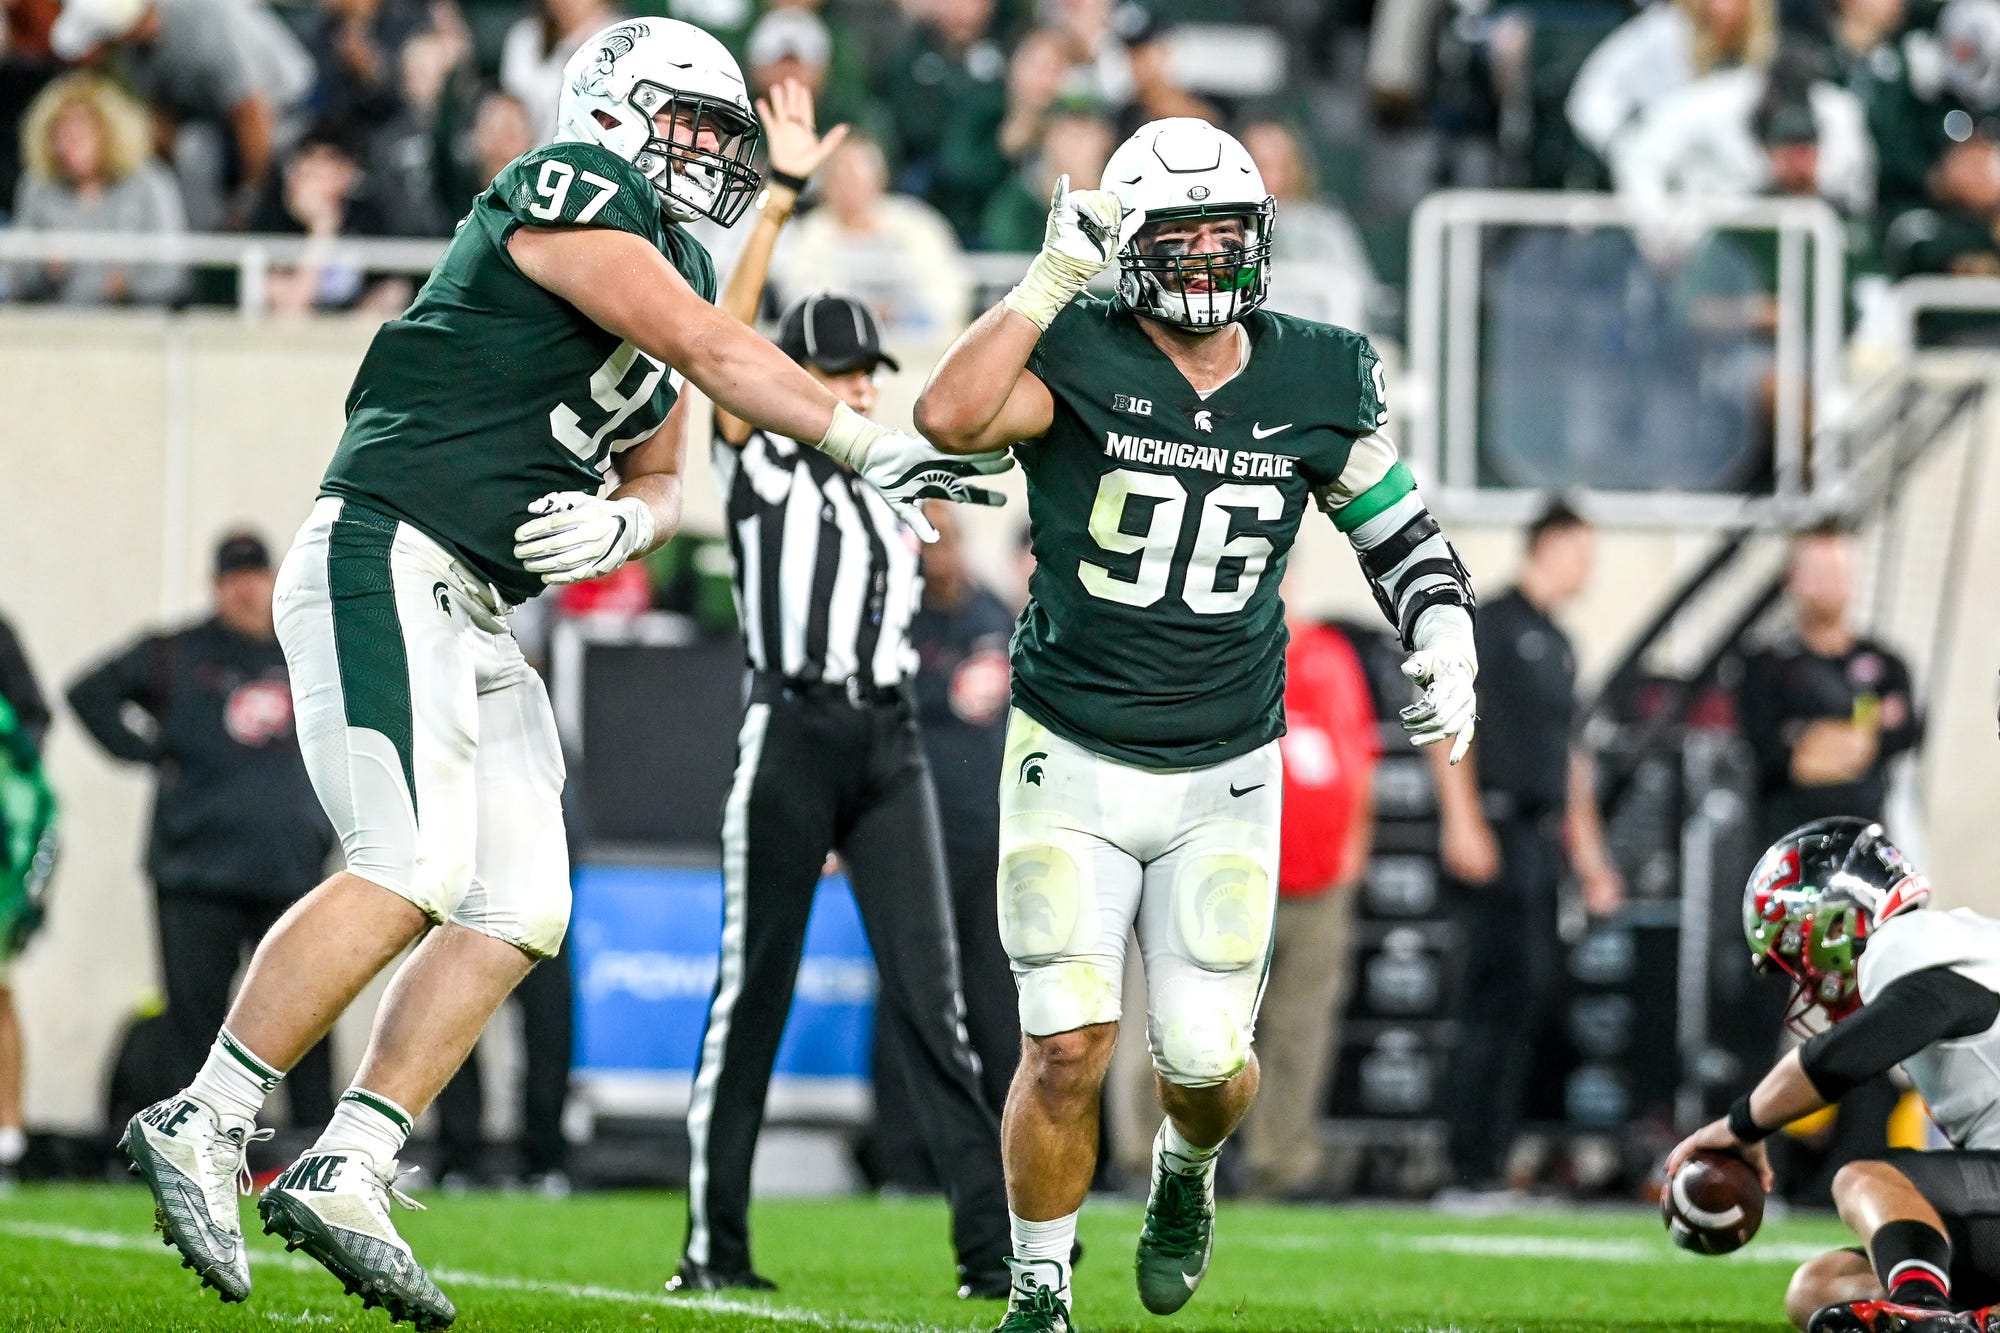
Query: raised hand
x=793, y=146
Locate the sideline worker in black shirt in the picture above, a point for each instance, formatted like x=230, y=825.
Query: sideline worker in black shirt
x=237, y=833
x=1520, y=810
x=1825, y=709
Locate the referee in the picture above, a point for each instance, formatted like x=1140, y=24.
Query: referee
x=829, y=757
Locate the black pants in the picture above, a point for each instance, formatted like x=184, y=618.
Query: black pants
x=204, y=939
x=1513, y=975
x=896, y=1154
x=1964, y=1186
x=548, y=1003
x=812, y=775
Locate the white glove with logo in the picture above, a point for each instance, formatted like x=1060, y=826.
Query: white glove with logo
x=581, y=536
x=905, y=469
x=1445, y=664
x=1081, y=242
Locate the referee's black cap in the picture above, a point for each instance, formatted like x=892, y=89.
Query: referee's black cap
x=838, y=334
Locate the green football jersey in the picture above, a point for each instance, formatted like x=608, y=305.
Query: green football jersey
x=1161, y=522
x=491, y=391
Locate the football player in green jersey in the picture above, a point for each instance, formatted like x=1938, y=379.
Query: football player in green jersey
x=541, y=362
x=1172, y=438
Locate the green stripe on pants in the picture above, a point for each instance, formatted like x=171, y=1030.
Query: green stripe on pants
x=368, y=634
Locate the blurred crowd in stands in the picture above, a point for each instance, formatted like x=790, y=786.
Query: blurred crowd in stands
x=339, y=118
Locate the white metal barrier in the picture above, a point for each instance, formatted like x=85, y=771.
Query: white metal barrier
x=1442, y=390
x=1913, y=298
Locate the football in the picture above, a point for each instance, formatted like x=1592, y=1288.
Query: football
x=1713, y=1204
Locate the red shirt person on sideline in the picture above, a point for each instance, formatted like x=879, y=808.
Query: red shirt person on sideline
x=1330, y=747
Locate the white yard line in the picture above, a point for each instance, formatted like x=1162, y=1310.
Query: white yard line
x=452, y=1277
x=1584, y=1249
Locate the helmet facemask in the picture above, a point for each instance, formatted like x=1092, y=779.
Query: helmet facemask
x=692, y=181
x=1200, y=293
x=1811, y=905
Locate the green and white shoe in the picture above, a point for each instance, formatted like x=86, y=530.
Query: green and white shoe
x=335, y=1207
x=1035, y=1305
x=194, y=1167
x=1176, y=1237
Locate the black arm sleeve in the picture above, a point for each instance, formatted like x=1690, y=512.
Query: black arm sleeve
x=1919, y=1010
x=18, y=688
x=99, y=698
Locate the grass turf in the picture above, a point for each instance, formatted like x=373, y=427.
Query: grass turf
x=82, y=1259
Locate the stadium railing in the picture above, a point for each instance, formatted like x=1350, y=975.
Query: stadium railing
x=1914, y=298
x=1316, y=291
x=1461, y=244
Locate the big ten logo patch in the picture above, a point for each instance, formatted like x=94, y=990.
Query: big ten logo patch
x=1138, y=407
x=258, y=713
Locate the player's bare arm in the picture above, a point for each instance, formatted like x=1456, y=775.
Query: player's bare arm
x=981, y=396
x=795, y=153
x=627, y=287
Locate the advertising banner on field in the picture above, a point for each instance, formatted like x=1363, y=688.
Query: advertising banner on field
x=645, y=943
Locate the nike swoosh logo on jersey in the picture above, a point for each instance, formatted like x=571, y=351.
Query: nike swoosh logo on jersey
x=1234, y=790
x=1259, y=432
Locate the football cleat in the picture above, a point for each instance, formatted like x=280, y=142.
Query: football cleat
x=1032, y=1305
x=1889, y=1317
x=1176, y=1237
x=194, y=1167
x=692, y=1277
x=335, y=1207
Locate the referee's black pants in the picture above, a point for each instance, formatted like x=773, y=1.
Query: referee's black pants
x=1512, y=984
x=816, y=773
x=204, y=938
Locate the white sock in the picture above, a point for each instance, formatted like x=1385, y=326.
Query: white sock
x=367, y=1123
x=1042, y=1250
x=233, y=1082
x=13, y=1144
x=1180, y=1156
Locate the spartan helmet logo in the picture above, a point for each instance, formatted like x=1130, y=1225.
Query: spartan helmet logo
x=618, y=44
x=1031, y=769
x=1203, y=420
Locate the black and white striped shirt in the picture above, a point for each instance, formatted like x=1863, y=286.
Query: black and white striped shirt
x=825, y=574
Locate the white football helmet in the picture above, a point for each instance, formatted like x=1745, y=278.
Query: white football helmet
x=620, y=79
x=1172, y=171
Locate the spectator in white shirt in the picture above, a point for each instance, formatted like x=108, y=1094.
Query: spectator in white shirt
x=536, y=48
x=893, y=252
x=1667, y=46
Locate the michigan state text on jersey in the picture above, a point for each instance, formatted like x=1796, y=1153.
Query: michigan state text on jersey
x=1172, y=440
x=1161, y=520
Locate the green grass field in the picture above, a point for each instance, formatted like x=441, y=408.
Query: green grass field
x=84, y=1258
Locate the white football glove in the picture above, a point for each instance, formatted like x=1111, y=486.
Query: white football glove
x=1081, y=241
x=1445, y=665
x=581, y=536
x=905, y=469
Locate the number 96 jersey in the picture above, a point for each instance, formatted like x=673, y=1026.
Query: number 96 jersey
x=491, y=391
x=1161, y=522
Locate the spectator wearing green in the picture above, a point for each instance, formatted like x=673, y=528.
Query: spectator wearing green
x=948, y=66
x=27, y=854
x=791, y=41
x=983, y=142
x=1074, y=144
x=1949, y=87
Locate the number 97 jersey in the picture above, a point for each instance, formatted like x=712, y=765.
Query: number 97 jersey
x=1161, y=522
x=490, y=391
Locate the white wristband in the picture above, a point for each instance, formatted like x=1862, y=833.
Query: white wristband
x=1051, y=282
x=849, y=436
